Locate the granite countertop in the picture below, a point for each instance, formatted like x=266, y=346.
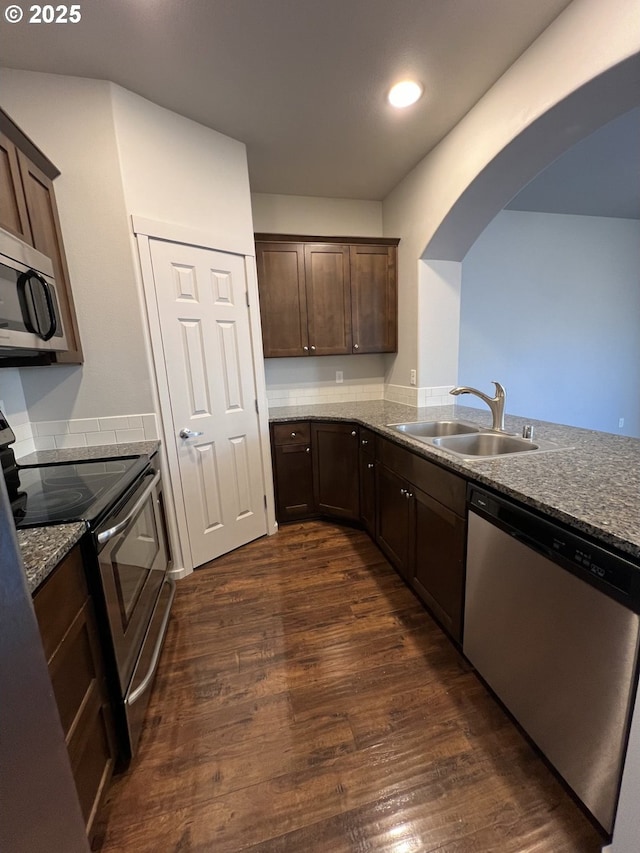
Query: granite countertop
x=43, y=548
x=591, y=484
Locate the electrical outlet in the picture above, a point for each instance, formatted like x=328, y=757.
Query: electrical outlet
x=413, y=377
x=339, y=377
x=620, y=423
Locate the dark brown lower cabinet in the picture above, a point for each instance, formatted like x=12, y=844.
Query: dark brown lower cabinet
x=413, y=508
x=367, y=461
x=292, y=470
x=394, y=523
x=336, y=474
x=421, y=528
x=294, y=474
x=69, y=634
x=438, y=568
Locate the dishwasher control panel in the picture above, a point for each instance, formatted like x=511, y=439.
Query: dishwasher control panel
x=612, y=572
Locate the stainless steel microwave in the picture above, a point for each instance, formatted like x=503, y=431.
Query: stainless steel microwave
x=30, y=320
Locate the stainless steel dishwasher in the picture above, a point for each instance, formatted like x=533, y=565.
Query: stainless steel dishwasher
x=551, y=624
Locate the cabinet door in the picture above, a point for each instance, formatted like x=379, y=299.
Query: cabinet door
x=283, y=301
x=374, y=299
x=71, y=644
x=368, y=493
x=328, y=298
x=47, y=238
x=336, y=469
x=438, y=569
x=13, y=207
x=393, y=519
x=293, y=472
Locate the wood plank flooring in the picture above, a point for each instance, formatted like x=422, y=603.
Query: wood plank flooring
x=307, y=702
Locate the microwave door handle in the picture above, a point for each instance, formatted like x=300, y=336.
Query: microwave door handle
x=53, y=323
x=108, y=534
x=27, y=304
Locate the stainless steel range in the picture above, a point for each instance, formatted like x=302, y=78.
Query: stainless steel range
x=126, y=556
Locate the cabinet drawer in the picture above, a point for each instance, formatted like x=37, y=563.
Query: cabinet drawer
x=73, y=669
x=59, y=600
x=447, y=488
x=293, y=433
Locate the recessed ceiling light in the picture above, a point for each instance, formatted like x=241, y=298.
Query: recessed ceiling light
x=405, y=93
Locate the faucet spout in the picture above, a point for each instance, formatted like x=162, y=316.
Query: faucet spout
x=496, y=403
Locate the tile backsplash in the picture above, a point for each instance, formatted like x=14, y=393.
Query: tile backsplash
x=83, y=432
x=291, y=395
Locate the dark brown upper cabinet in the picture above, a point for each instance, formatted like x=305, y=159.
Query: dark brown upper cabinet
x=327, y=295
x=28, y=209
x=374, y=298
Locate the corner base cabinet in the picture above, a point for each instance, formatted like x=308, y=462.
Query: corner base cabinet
x=336, y=480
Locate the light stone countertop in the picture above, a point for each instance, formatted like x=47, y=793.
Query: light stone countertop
x=593, y=484
x=43, y=548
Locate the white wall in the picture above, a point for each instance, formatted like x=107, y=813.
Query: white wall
x=551, y=308
x=513, y=132
x=71, y=120
x=119, y=155
x=326, y=217
x=179, y=172
x=295, y=380
x=14, y=408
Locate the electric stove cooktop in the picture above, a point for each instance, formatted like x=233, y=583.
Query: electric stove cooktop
x=72, y=491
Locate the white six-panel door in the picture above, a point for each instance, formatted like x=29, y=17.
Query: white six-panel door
x=204, y=322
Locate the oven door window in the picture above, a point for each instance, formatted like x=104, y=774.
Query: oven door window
x=132, y=559
x=132, y=566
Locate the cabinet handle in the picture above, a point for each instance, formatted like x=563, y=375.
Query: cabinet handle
x=293, y=435
x=370, y=465
x=306, y=349
x=364, y=442
x=403, y=492
x=355, y=346
x=408, y=495
x=353, y=433
x=313, y=349
x=308, y=450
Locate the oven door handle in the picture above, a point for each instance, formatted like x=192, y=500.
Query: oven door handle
x=153, y=665
x=108, y=534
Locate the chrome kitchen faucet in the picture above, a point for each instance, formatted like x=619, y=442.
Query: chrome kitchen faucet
x=496, y=404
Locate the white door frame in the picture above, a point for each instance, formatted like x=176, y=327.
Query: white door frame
x=144, y=230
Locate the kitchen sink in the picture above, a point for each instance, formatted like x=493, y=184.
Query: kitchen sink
x=471, y=441
x=431, y=429
x=485, y=444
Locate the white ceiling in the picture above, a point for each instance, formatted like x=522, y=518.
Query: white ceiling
x=301, y=82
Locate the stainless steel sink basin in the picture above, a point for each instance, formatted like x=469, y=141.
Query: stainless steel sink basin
x=431, y=429
x=485, y=444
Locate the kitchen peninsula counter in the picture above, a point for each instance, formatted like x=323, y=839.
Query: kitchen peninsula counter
x=591, y=483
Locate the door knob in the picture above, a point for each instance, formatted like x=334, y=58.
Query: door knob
x=188, y=433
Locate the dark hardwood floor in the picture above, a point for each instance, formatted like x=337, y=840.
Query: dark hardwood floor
x=307, y=702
